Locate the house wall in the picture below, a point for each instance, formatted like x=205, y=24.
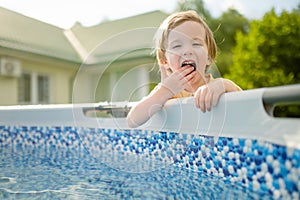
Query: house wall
x=8, y=92
x=60, y=75
x=83, y=87
x=94, y=85
x=133, y=88
x=125, y=80
x=122, y=81
x=131, y=85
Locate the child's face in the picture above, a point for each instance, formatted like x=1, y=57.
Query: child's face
x=186, y=43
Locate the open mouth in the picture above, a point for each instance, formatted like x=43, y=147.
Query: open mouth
x=192, y=64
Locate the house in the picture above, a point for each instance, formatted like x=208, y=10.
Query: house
x=43, y=64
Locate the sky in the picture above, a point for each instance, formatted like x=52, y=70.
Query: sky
x=65, y=13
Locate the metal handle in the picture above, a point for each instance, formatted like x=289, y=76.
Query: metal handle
x=107, y=111
x=282, y=94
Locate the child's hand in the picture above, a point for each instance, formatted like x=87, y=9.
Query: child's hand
x=176, y=81
x=208, y=95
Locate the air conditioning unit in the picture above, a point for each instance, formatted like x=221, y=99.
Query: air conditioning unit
x=10, y=67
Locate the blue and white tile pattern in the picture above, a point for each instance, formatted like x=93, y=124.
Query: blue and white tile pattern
x=258, y=165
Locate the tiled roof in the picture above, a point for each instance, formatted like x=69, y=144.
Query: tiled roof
x=92, y=36
x=111, y=39
x=23, y=33
x=26, y=34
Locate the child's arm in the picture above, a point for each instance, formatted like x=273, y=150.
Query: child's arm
x=169, y=86
x=148, y=106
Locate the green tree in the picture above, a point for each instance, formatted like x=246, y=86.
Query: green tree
x=197, y=5
x=269, y=55
x=225, y=29
x=230, y=22
x=297, y=10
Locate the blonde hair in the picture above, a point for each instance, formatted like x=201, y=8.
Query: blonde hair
x=172, y=22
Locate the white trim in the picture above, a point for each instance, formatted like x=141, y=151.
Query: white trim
x=34, y=88
x=76, y=44
x=143, y=78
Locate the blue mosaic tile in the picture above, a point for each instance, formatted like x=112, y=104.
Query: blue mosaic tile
x=257, y=165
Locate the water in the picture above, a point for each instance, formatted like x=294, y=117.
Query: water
x=60, y=174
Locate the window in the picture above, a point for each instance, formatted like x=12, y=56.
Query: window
x=33, y=89
x=43, y=89
x=24, y=88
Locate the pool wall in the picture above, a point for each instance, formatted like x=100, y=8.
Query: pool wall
x=237, y=141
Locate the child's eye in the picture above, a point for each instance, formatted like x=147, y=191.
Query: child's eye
x=176, y=46
x=197, y=44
